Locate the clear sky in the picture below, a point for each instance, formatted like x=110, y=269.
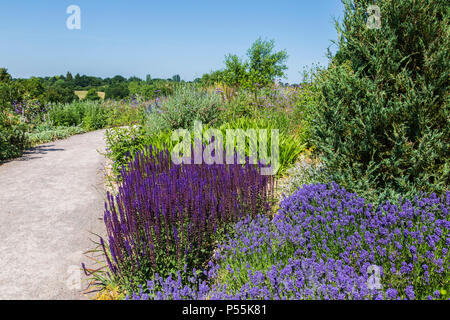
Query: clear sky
x=161, y=38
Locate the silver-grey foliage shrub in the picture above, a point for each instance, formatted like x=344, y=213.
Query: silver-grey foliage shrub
x=186, y=105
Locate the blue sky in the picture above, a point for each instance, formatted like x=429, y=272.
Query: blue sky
x=161, y=38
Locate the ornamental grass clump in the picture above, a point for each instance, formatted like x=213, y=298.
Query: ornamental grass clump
x=167, y=217
x=327, y=243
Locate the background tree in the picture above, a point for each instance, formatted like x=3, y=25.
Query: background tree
x=4, y=75
x=117, y=91
x=235, y=71
x=92, y=95
x=262, y=67
x=134, y=79
x=176, y=78
x=265, y=65
x=5, y=90
x=118, y=79
x=31, y=88
x=210, y=79
x=58, y=94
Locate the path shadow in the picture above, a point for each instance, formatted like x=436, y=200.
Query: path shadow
x=34, y=153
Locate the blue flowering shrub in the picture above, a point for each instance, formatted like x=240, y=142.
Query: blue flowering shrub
x=327, y=243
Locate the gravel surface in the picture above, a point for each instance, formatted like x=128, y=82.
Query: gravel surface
x=51, y=203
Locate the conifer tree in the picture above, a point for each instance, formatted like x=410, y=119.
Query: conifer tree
x=382, y=122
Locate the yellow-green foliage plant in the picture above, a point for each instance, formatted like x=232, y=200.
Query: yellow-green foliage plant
x=123, y=143
x=290, y=145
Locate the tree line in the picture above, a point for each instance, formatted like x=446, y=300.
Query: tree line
x=262, y=66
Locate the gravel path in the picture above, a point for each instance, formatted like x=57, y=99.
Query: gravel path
x=51, y=200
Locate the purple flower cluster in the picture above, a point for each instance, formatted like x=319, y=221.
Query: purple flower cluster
x=166, y=216
x=326, y=243
x=280, y=98
x=30, y=110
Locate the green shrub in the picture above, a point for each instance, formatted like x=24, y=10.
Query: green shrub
x=117, y=91
x=12, y=137
x=91, y=115
x=123, y=143
x=185, y=106
x=122, y=113
x=95, y=116
x=151, y=90
x=239, y=106
x=58, y=94
x=287, y=108
x=44, y=133
x=290, y=146
x=381, y=125
x=92, y=95
x=67, y=115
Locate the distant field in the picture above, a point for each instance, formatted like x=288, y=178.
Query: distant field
x=82, y=94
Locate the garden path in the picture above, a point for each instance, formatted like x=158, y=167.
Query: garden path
x=51, y=200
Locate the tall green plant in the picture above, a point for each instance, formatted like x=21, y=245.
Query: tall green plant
x=262, y=68
x=290, y=146
x=382, y=120
x=185, y=106
x=13, y=140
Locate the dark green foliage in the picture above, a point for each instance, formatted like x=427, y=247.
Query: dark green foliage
x=261, y=69
x=91, y=115
x=186, y=105
x=265, y=65
x=382, y=120
x=235, y=70
x=151, y=90
x=176, y=78
x=67, y=115
x=118, y=90
x=6, y=93
x=83, y=82
x=4, y=75
x=58, y=94
x=210, y=79
x=32, y=88
x=37, y=90
x=12, y=137
x=95, y=116
x=12, y=134
x=92, y=95
x=134, y=78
